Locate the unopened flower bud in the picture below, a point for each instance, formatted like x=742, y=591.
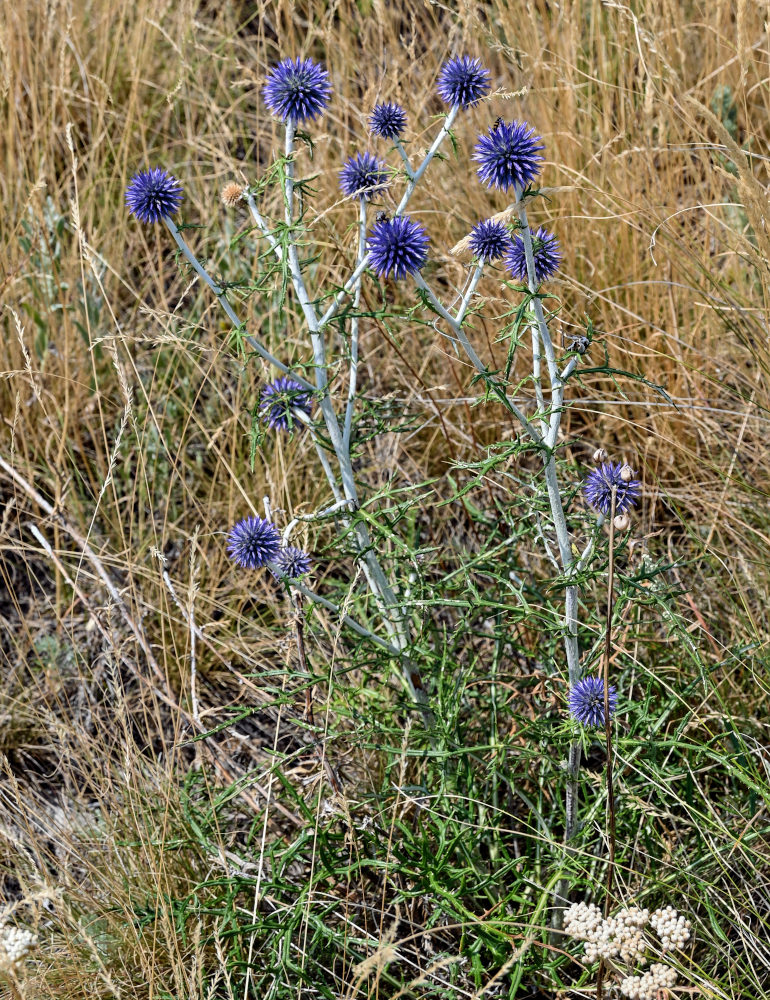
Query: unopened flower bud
x=600, y=455
x=621, y=522
x=626, y=473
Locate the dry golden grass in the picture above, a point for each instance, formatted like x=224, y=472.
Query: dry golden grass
x=130, y=419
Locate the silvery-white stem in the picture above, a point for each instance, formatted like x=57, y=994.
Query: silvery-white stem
x=403, y=154
x=537, y=378
x=413, y=180
x=263, y=226
x=476, y=360
x=221, y=295
x=557, y=399
x=353, y=379
x=469, y=292
x=560, y=526
x=384, y=595
x=351, y=623
x=532, y=284
x=315, y=516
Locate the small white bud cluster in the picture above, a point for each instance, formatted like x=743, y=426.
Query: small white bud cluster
x=621, y=936
x=582, y=921
x=15, y=942
x=648, y=986
x=672, y=929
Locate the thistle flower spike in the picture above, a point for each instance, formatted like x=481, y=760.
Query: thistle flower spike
x=297, y=89
x=489, y=240
x=279, y=398
x=253, y=542
x=363, y=175
x=397, y=247
x=463, y=81
x=508, y=155
x=387, y=120
x=586, y=701
x=599, y=485
x=293, y=562
x=545, y=250
x=153, y=195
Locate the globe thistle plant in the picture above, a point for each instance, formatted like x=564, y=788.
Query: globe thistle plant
x=292, y=562
x=599, y=485
x=297, y=89
x=363, y=175
x=508, y=155
x=397, y=247
x=490, y=240
x=279, y=398
x=463, y=81
x=253, y=542
x=546, y=251
x=586, y=701
x=387, y=120
x=153, y=195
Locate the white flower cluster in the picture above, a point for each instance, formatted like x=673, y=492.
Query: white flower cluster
x=620, y=939
x=621, y=936
x=672, y=929
x=647, y=987
x=15, y=942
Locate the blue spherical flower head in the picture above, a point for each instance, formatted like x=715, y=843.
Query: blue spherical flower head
x=293, y=562
x=279, y=398
x=509, y=155
x=363, y=175
x=387, y=120
x=297, y=89
x=598, y=488
x=463, y=81
x=490, y=240
x=397, y=247
x=153, y=195
x=253, y=542
x=586, y=701
x=546, y=251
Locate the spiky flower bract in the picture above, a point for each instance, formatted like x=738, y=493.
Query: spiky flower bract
x=363, y=175
x=586, y=701
x=387, y=120
x=279, y=398
x=297, y=89
x=490, y=240
x=153, y=195
x=598, y=488
x=545, y=249
x=463, y=81
x=397, y=247
x=253, y=542
x=293, y=562
x=508, y=155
